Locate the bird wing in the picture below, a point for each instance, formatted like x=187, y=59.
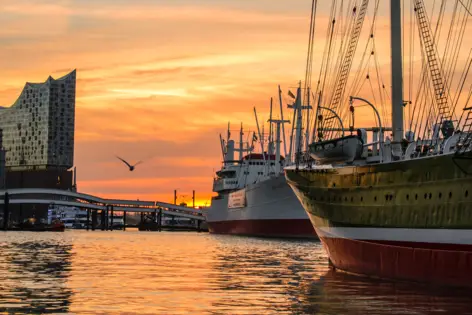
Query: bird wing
x=138, y=163
x=124, y=161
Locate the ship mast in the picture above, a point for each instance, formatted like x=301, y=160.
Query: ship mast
x=241, y=145
x=278, y=140
x=298, y=135
x=397, y=75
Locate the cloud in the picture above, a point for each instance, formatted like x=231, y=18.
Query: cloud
x=159, y=80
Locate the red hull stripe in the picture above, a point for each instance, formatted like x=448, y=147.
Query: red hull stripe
x=421, y=245
x=272, y=228
x=428, y=265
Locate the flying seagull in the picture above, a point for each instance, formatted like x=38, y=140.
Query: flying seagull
x=131, y=167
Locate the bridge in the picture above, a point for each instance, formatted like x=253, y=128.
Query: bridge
x=93, y=204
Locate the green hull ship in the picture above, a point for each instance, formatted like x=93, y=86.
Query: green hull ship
x=399, y=209
x=408, y=220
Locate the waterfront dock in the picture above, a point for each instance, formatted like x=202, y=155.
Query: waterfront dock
x=102, y=209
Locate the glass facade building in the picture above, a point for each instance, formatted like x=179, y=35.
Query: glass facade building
x=38, y=129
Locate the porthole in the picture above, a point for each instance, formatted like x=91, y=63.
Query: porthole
x=416, y=196
x=407, y=197
x=450, y=194
x=466, y=193
x=430, y=195
x=362, y=199
x=375, y=198
x=440, y=195
x=425, y=196
x=386, y=197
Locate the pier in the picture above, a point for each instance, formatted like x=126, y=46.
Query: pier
x=96, y=206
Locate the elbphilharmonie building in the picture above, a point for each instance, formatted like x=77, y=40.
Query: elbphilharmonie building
x=38, y=129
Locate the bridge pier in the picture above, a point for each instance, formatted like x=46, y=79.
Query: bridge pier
x=6, y=211
x=94, y=219
x=124, y=220
x=111, y=219
x=88, y=219
x=110, y=211
x=103, y=220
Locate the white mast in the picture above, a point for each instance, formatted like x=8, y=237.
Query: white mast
x=222, y=144
x=278, y=140
x=259, y=133
x=397, y=75
x=241, y=145
x=282, y=118
x=307, y=127
x=271, y=139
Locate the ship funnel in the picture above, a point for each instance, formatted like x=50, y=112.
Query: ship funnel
x=230, y=151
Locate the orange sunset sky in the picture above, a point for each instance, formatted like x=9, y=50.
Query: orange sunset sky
x=158, y=80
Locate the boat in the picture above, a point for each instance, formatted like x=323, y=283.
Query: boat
x=75, y=218
x=252, y=195
x=33, y=225
x=347, y=148
x=401, y=208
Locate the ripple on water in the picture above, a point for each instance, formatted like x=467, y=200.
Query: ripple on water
x=180, y=273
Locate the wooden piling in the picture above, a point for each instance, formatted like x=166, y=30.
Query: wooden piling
x=6, y=211
x=88, y=219
x=103, y=219
x=111, y=219
x=124, y=220
x=94, y=219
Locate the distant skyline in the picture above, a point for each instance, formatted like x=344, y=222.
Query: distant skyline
x=158, y=80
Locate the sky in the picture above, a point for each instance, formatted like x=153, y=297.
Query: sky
x=158, y=80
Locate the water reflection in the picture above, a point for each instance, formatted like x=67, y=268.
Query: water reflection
x=341, y=293
x=33, y=274
x=190, y=273
x=265, y=276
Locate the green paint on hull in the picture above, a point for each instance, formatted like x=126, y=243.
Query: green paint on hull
x=432, y=192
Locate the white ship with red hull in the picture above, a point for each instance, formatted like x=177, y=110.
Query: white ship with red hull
x=270, y=209
x=253, y=197
x=401, y=208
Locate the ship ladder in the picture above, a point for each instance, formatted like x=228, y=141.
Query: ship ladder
x=345, y=66
x=439, y=83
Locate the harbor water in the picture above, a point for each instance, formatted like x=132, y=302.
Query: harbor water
x=118, y=272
